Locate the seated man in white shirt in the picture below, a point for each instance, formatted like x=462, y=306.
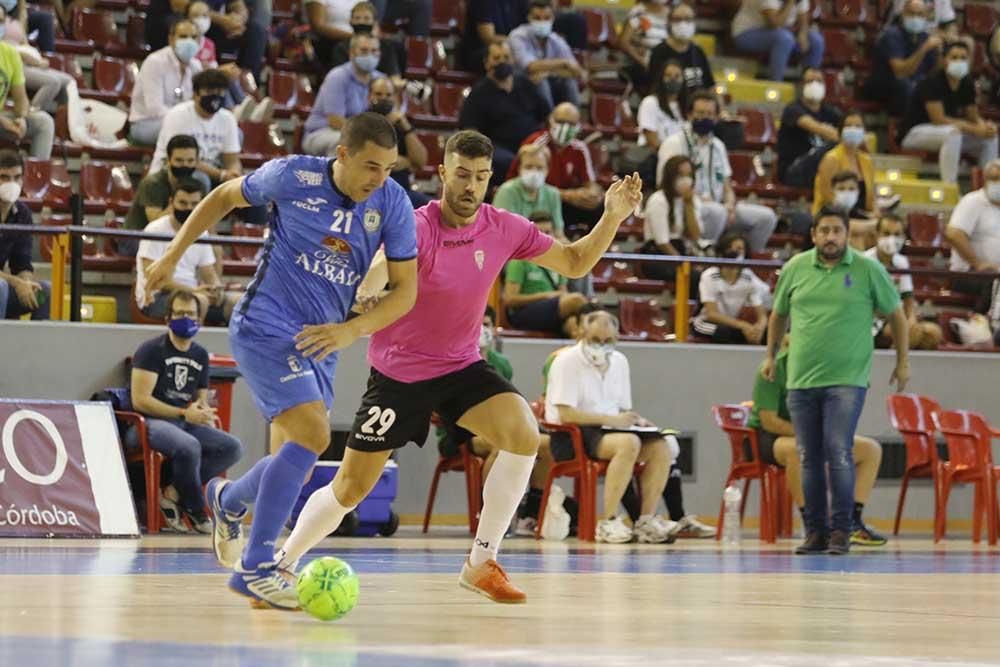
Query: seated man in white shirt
x=713, y=175
x=725, y=291
x=196, y=269
x=589, y=385
x=164, y=80
x=974, y=234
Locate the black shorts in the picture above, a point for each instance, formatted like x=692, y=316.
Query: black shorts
x=562, y=446
x=765, y=441
x=393, y=413
x=537, y=316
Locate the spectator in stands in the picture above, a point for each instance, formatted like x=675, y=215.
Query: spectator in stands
x=160, y=17
x=780, y=28
x=546, y=57
x=415, y=15
x=22, y=122
x=528, y=193
x=20, y=293
x=905, y=54
x=344, y=93
x=724, y=292
x=164, y=81
x=392, y=52
x=195, y=271
x=330, y=22
x=888, y=251
x=64, y=12
x=169, y=386
x=644, y=28
x=943, y=14
x=234, y=30
x=776, y=442
x=713, y=174
x=846, y=180
x=942, y=116
x=487, y=22
x=199, y=14
x=679, y=45
x=661, y=113
x=213, y=127
x=808, y=130
x=505, y=106
x=536, y=298
x=974, y=234
x=382, y=99
x=46, y=85
x=589, y=385
x=37, y=21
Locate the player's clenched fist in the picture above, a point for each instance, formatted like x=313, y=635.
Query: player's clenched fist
x=159, y=273
x=623, y=196
x=322, y=340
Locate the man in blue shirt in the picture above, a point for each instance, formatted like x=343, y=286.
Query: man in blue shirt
x=328, y=218
x=904, y=54
x=546, y=57
x=344, y=93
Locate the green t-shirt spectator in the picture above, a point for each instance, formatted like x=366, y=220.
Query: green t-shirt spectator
x=513, y=196
x=11, y=70
x=154, y=190
x=532, y=278
x=832, y=309
x=770, y=395
x=547, y=365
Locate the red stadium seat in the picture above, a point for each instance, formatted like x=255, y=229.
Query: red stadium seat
x=841, y=49
x=601, y=159
x=114, y=77
x=645, y=318
x=839, y=94
x=135, y=33
x=286, y=9
x=46, y=183
x=434, y=143
x=980, y=19
x=465, y=462
x=446, y=100
x=758, y=128
x=611, y=116
x=621, y=277
x=68, y=64
x=152, y=462
x=447, y=17
x=261, y=142
x=600, y=27
x=246, y=253
x=292, y=93
x=105, y=186
x=92, y=29
x=924, y=228
x=424, y=57
x=846, y=13
x=911, y=415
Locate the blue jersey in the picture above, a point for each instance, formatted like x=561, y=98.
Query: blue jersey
x=321, y=243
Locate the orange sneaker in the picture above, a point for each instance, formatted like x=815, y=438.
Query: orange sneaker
x=489, y=580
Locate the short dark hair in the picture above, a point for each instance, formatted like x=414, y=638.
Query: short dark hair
x=704, y=95
x=889, y=217
x=209, y=79
x=470, y=144
x=831, y=212
x=364, y=127
x=727, y=239
x=956, y=44
x=845, y=175
x=184, y=294
x=850, y=113
x=366, y=6
x=189, y=185
x=10, y=158
x=492, y=314
x=181, y=141
x=540, y=216
x=539, y=4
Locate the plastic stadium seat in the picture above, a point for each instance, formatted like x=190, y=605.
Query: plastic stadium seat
x=600, y=27
x=911, y=415
x=92, y=29
x=621, y=277
x=135, y=34
x=291, y=93
x=840, y=94
x=434, y=143
x=424, y=57
x=114, y=77
x=246, y=253
x=645, y=318
x=601, y=159
x=68, y=64
x=846, y=13
x=46, y=183
x=447, y=17
x=465, y=462
x=980, y=19
x=105, y=186
x=261, y=142
x=758, y=128
x=611, y=116
x=446, y=99
x=286, y=9
x=841, y=49
x=924, y=228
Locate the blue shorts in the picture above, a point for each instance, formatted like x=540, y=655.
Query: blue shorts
x=279, y=377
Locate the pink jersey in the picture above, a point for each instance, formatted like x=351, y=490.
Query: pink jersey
x=457, y=269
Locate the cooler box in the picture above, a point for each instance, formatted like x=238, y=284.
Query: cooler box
x=93, y=308
x=373, y=515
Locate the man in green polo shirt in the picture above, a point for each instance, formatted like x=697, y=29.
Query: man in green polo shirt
x=776, y=444
x=831, y=293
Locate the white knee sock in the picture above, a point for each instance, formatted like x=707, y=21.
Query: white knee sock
x=321, y=516
x=501, y=495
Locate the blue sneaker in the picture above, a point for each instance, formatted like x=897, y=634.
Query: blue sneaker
x=227, y=529
x=267, y=587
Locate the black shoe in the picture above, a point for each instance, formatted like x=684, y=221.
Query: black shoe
x=840, y=543
x=815, y=544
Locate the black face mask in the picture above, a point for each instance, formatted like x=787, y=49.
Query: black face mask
x=383, y=107
x=731, y=254
x=181, y=172
x=502, y=70
x=210, y=103
x=362, y=28
x=182, y=216
x=670, y=87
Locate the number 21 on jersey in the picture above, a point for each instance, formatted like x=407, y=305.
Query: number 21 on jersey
x=342, y=221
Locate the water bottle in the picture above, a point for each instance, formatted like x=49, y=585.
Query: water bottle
x=731, y=524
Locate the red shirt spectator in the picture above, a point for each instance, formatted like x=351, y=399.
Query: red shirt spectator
x=570, y=167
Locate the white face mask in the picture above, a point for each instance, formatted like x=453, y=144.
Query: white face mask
x=486, y=337
x=203, y=23
x=845, y=200
x=992, y=191
x=890, y=245
x=814, y=91
x=683, y=30
x=958, y=69
x=533, y=179
x=683, y=183
x=598, y=354
x=10, y=191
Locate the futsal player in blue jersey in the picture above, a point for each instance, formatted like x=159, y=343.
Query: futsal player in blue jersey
x=327, y=219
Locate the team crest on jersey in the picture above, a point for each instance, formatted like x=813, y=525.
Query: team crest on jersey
x=293, y=364
x=180, y=377
x=480, y=259
x=337, y=245
x=372, y=220
x=309, y=177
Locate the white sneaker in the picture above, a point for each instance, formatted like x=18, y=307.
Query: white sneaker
x=173, y=515
x=613, y=531
x=689, y=526
x=653, y=530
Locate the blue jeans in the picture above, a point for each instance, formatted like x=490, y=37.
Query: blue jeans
x=559, y=89
x=196, y=453
x=782, y=44
x=825, y=419
x=11, y=307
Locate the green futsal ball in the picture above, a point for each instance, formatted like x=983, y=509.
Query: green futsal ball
x=328, y=588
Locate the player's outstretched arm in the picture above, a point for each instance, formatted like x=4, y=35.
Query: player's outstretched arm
x=576, y=259
x=209, y=211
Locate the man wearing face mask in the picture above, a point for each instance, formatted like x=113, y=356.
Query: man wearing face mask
x=153, y=194
x=164, y=81
x=974, y=234
x=679, y=45
x=504, y=106
x=169, y=387
x=847, y=194
x=392, y=52
x=808, y=130
x=888, y=252
x=546, y=57
x=713, y=174
x=343, y=93
x=528, y=193
x=20, y=293
x=942, y=116
x=195, y=270
x=905, y=53
x=382, y=99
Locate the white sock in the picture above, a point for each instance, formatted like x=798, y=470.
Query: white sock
x=321, y=516
x=501, y=495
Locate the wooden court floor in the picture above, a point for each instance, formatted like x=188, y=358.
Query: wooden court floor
x=162, y=600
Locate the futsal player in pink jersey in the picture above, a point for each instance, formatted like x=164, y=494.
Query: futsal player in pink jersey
x=429, y=361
